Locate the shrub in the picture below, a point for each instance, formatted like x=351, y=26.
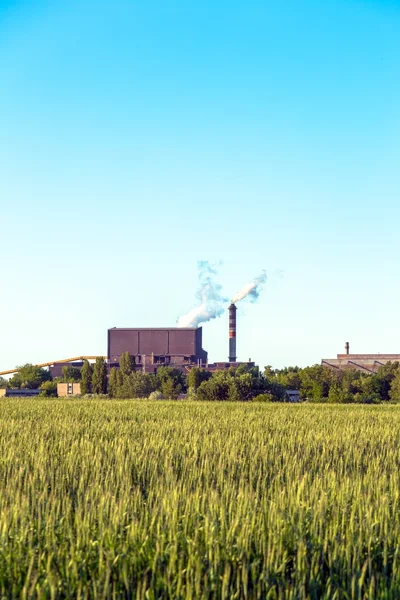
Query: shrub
x=157, y=395
x=265, y=398
x=367, y=398
x=49, y=389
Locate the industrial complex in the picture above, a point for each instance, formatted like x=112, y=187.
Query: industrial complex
x=180, y=347
x=367, y=363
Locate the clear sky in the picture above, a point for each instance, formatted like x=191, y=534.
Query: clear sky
x=138, y=137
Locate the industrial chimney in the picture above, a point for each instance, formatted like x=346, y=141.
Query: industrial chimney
x=232, y=333
x=347, y=348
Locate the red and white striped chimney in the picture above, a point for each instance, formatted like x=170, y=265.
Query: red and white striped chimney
x=232, y=333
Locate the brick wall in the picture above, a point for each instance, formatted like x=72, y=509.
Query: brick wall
x=68, y=389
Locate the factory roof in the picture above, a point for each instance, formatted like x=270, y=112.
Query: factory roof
x=155, y=328
x=361, y=362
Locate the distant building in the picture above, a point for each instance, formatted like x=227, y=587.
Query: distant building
x=57, y=367
x=225, y=366
x=292, y=396
x=17, y=393
x=68, y=389
x=367, y=363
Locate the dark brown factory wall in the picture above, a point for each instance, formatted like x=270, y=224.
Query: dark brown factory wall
x=180, y=342
x=162, y=342
x=122, y=340
x=199, y=342
x=56, y=369
x=153, y=341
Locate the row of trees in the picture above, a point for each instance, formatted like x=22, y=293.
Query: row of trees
x=126, y=382
x=321, y=384
x=242, y=383
x=316, y=383
x=28, y=377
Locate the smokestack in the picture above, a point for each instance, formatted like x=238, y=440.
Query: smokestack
x=347, y=348
x=232, y=333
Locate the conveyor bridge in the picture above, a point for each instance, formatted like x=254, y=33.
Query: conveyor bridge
x=52, y=362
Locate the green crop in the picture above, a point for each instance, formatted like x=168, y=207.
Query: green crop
x=146, y=500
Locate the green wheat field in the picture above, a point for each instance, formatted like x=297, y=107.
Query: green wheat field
x=140, y=499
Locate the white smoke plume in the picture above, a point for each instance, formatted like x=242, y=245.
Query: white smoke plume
x=211, y=302
x=252, y=289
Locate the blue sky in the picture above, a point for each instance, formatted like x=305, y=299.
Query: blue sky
x=137, y=138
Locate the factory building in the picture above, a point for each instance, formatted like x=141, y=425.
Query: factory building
x=367, y=363
x=155, y=347
x=175, y=347
x=57, y=367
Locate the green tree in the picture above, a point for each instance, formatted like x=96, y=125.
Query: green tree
x=49, y=389
x=71, y=374
x=99, y=378
x=172, y=381
x=137, y=385
x=3, y=383
x=316, y=382
x=386, y=374
x=241, y=387
x=216, y=388
x=169, y=389
x=86, y=377
x=127, y=363
x=289, y=377
x=352, y=381
x=116, y=383
x=269, y=372
x=113, y=384
x=338, y=395
x=366, y=398
x=30, y=377
x=196, y=377
x=244, y=369
x=371, y=386
x=394, y=392
x=272, y=387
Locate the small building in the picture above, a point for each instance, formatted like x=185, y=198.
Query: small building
x=292, y=396
x=69, y=389
x=18, y=393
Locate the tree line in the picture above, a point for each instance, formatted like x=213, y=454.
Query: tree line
x=92, y=378
x=322, y=384
x=315, y=384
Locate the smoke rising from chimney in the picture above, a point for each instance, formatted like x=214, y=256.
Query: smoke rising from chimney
x=252, y=289
x=211, y=302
